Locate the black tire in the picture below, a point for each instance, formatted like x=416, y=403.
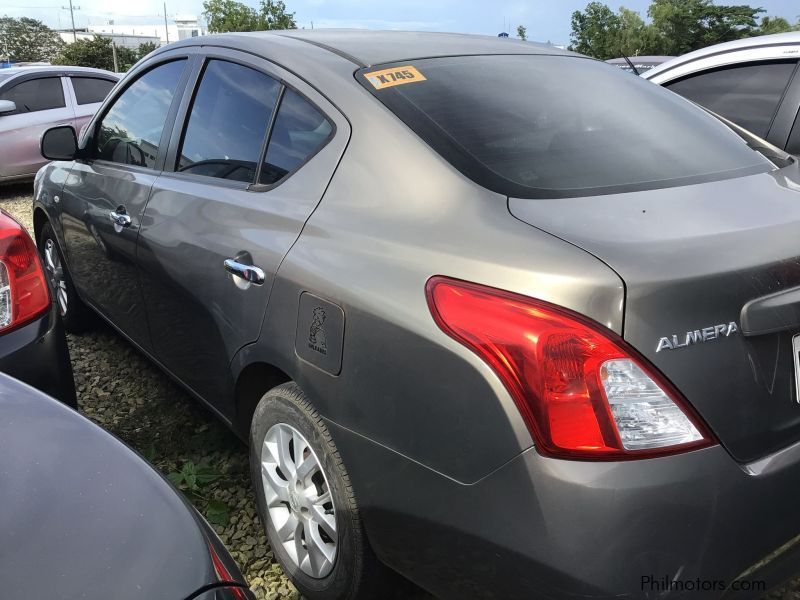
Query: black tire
x=356, y=573
x=78, y=317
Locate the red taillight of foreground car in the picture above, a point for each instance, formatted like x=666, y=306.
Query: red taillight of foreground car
x=582, y=391
x=23, y=288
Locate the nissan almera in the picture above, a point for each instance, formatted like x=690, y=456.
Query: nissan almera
x=492, y=316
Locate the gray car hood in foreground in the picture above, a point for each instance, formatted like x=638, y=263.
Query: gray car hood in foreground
x=692, y=257
x=84, y=517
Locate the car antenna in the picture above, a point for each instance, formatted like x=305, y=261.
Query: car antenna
x=628, y=60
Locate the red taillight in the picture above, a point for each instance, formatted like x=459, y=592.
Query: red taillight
x=581, y=390
x=23, y=289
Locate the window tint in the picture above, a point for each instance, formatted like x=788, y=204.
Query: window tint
x=555, y=126
x=299, y=131
x=89, y=90
x=228, y=122
x=748, y=95
x=131, y=130
x=36, y=94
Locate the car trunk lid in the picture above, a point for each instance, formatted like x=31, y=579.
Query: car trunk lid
x=712, y=276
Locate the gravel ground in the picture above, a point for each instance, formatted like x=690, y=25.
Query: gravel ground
x=125, y=393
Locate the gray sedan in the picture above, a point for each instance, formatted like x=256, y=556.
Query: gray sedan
x=33, y=99
x=493, y=316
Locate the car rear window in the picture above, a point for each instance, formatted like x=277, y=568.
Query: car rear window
x=536, y=126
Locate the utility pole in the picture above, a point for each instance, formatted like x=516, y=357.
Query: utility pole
x=114, y=52
x=72, y=18
x=166, y=29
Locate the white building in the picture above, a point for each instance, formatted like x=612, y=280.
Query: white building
x=181, y=27
x=120, y=39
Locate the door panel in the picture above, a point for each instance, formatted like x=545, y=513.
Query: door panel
x=200, y=314
x=102, y=261
x=124, y=155
x=20, y=131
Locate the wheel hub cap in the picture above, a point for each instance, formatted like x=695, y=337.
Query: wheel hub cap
x=55, y=274
x=299, y=500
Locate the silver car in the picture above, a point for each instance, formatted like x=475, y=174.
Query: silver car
x=501, y=319
x=33, y=99
x=753, y=82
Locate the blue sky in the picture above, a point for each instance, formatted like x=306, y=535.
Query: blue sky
x=544, y=19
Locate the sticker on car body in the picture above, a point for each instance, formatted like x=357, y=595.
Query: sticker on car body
x=394, y=76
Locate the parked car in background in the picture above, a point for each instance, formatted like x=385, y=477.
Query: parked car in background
x=86, y=517
x=507, y=349
x=33, y=346
x=752, y=82
x=33, y=99
x=641, y=64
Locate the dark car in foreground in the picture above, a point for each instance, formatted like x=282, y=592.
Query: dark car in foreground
x=33, y=346
x=505, y=348
x=753, y=82
x=85, y=517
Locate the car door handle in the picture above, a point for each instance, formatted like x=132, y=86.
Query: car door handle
x=249, y=273
x=119, y=219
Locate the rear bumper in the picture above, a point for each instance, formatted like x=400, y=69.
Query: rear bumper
x=37, y=354
x=546, y=528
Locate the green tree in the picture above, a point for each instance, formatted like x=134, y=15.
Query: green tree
x=522, y=32
x=229, y=15
x=96, y=53
x=774, y=25
x=273, y=15
x=686, y=25
x=634, y=37
x=28, y=40
x=595, y=31
x=145, y=49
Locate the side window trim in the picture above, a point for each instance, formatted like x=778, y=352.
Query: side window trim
x=188, y=71
x=184, y=113
x=265, y=144
x=265, y=187
x=784, y=120
x=180, y=123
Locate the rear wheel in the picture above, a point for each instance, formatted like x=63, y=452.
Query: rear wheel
x=306, y=502
x=77, y=317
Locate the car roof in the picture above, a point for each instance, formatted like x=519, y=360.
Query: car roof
x=764, y=47
x=56, y=70
x=367, y=47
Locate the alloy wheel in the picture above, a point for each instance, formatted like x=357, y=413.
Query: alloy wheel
x=299, y=500
x=55, y=273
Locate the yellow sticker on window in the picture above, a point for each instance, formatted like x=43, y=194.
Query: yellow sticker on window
x=394, y=76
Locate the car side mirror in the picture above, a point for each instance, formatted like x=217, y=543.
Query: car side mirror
x=7, y=106
x=59, y=143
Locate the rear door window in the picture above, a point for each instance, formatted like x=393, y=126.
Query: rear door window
x=549, y=126
x=130, y=132
x=299, y=132
x=34, y=95
x=748, y=95
x=228, y=122
x=90, y=90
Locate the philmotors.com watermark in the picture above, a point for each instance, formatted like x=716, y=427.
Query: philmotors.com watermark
x=653, y=583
